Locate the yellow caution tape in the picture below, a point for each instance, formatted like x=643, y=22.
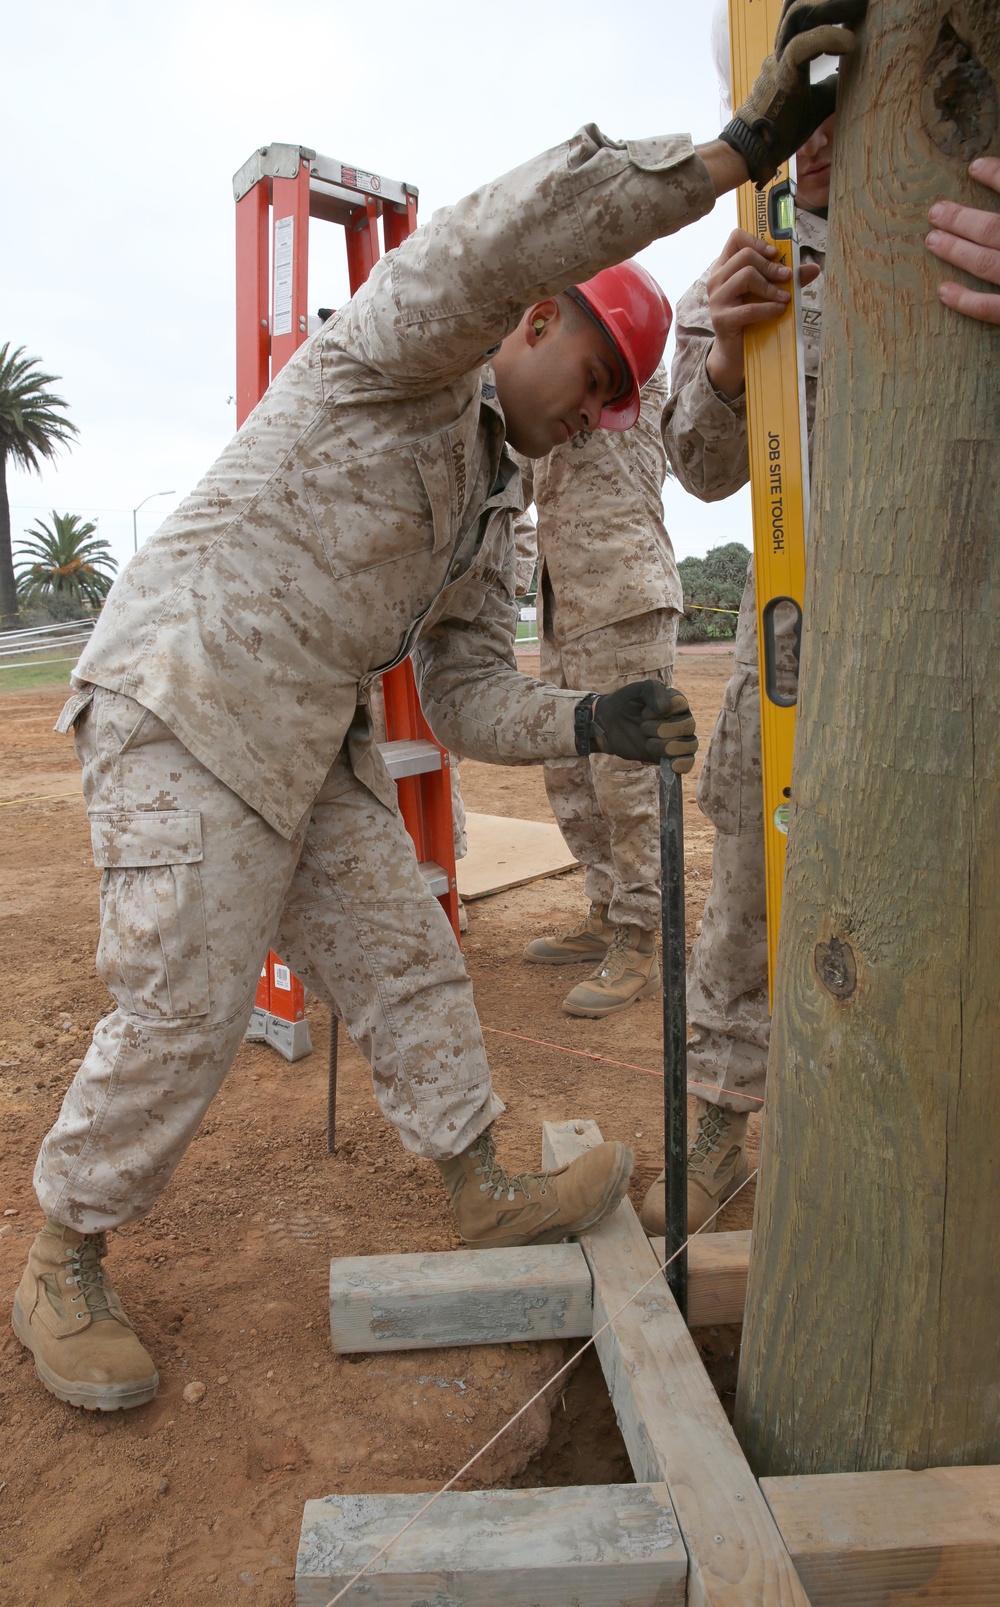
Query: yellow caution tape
x=45, y=797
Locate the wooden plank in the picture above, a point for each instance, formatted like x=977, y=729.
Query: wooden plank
x=459, y=1297
x=671, y=1419
x=507, y=853
x=912, y=1539
x=488, y=1297
x=717, y=1276
x=610, y=1545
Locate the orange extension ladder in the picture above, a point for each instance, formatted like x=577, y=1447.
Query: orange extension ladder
x=277, y=192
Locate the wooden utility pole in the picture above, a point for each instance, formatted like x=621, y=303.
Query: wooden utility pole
x=872, y=1337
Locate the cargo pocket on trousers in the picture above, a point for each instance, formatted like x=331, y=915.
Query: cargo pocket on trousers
x=153, y=952
x=646, y=661
x=730, y=787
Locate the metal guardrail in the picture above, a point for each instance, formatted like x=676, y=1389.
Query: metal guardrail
x=20, y=649
x=24, y=646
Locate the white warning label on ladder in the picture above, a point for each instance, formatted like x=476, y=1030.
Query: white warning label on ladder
x=284, y=230
x=282, y=973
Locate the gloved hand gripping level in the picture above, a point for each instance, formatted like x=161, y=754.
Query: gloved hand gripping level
x=785, y=107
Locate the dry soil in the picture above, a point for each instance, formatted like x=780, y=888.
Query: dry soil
x=191, y=1505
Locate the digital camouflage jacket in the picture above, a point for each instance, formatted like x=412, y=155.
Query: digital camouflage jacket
x=364, y=511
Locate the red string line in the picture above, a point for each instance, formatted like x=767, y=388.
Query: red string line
x=626, y=1065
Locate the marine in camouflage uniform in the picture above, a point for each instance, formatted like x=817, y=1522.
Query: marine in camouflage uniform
x=236, y=797
x=610, y=600
x=363, y=513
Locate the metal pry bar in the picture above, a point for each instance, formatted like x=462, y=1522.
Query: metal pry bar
x=674, y=1032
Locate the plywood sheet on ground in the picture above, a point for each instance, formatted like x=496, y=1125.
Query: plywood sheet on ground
x=507, y=853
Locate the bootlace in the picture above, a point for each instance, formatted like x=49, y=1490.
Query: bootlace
x=616, y=961
x=496, y=1179
x=86, y=1272
x=712, y=1129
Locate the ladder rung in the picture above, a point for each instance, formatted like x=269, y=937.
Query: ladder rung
x=410, y=757
x=435, y=877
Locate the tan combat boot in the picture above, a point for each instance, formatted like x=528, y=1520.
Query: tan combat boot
x=717, y=1165
x=70, y=1318
x=494, y=1208
x=630, y=971
x=586, y=941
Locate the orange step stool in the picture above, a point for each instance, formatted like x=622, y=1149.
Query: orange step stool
x=278, y=190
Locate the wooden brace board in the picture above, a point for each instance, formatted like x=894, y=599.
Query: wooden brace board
x=671, y=1419
x=606, y=1545
x=929, y=1539
x=489, y=1297
x=459, y=1297
x=718, y=1264
x=850, y=1540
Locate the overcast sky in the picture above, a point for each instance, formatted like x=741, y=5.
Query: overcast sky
x=124, y=124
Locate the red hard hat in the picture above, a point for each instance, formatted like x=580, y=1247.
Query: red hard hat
x=635, y=315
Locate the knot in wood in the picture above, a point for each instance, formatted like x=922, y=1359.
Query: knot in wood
x=836, y=967
x=958, y=101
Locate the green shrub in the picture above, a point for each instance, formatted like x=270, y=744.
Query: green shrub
x=713, y=586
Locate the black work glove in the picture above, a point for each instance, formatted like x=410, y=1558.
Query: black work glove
x=646, y=721
x=784, y=108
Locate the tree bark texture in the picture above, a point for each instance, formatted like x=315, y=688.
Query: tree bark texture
x=872, y=1338
x=8, y=583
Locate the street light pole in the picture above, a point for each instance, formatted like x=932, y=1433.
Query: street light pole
x=135, y=510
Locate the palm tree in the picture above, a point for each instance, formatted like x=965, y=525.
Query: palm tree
x=32, y=429
x=67, y=559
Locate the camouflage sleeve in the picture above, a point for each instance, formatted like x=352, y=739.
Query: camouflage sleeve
x=525, y=532
x=475, y=699
x=705, y=433
x=458, y=285
x=526, y=553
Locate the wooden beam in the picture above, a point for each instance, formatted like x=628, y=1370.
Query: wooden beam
x=871, y=1333
x=459, y=1297
x=867, y=1539
x=603, y=1545
x=717, y=1276
x=671, y=1419
x=491, y=1297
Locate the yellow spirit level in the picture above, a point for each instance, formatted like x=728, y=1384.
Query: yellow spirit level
x=779, y=465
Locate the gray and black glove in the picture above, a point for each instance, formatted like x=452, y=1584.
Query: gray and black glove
x=645, y=720
x=784, y=107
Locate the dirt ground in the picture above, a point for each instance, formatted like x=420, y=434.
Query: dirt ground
x=191, y=1505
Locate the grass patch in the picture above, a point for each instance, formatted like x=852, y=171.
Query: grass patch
x=28, y=677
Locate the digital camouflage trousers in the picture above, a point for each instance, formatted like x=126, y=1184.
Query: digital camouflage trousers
x=195, y=888
x=608, y=809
